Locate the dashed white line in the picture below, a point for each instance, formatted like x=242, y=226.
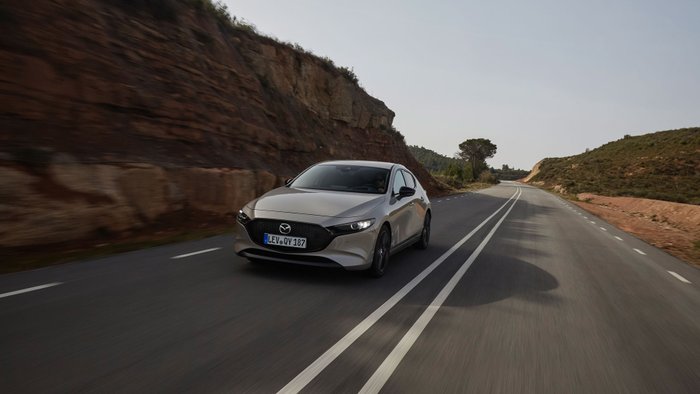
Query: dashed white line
x=28, y=289
x=386, y=369
x=679, y=277
x=639, y=251
x=618, y=238
x=585, y=217
x=604, y=229
x=194, y=253
x=316, y=367
x=592, y=222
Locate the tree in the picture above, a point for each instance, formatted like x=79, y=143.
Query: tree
x=476, y=151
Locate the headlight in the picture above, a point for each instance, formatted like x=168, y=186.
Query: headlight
x=242, y=217
x=353, y=227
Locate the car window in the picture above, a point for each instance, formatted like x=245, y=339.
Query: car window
x=346, y=178
x=398, y=182
x=410, y=182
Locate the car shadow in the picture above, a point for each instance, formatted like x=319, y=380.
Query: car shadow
x=495, y=277
x=301, y=273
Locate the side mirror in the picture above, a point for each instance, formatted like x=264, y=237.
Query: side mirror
x=406, y=191
x=288, y=181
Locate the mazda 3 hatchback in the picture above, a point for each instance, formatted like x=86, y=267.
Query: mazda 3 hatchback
x=352, y=214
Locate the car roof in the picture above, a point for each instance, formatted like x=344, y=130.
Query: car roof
x=367, y=163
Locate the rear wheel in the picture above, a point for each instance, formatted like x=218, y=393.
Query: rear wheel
x=380, y=259
x=425, y=234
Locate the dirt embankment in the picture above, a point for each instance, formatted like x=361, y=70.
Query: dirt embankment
x=671, y=226
x=117, y=116
x=533, y=173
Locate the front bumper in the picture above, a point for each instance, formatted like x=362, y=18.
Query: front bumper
x=350, y=251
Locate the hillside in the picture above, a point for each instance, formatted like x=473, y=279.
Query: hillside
x=433, y=161
x=664, y=165
x=125, y=118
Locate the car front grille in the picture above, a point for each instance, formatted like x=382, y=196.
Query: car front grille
x=317, y=237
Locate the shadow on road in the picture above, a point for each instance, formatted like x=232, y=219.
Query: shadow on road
x=299, y=273
x=493, y=278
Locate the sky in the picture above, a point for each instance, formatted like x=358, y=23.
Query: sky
x=538, y=78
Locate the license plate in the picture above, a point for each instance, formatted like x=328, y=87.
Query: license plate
x=284, y=240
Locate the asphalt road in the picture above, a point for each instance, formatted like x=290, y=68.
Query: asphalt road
x=523, y=293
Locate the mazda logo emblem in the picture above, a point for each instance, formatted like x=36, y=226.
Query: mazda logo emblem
x=285, y=228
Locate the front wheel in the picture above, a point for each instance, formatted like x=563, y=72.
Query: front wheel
x=380, y=258
x=425, y=234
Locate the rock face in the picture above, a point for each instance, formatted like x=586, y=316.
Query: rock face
x=116, y=114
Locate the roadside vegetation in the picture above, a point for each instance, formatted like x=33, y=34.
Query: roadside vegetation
x=468, y=168
x=663, y=166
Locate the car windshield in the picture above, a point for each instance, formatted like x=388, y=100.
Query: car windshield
x=345, y=178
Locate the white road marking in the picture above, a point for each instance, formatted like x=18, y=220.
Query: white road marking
x=618, y=238
x=194, y=253
x=28, y=289
x=308, y=374
x=639, y=251
x=585, y=217
x=592, y=222
x=679, y=277
x=604, y=229
x=382, y=374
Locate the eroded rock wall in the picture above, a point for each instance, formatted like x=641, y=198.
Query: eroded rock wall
x=115, y=115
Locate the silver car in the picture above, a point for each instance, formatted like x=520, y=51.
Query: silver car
x=352, y=214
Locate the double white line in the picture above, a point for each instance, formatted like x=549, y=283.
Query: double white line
x=377, y=381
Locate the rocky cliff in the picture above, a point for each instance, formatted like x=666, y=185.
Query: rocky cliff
x=120, y=115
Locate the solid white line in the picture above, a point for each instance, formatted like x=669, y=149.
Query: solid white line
x=315, y=368
x=28, y=289
x=679, y=277
x=194, y=253
x=382, y=374
x=639, y=251
x=604, y=229
x=618, y=238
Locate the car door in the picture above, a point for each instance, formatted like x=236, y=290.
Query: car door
x=401, y=214
x=416, y=206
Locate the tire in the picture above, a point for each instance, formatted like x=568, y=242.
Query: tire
x=380, y=258
x=425, y=234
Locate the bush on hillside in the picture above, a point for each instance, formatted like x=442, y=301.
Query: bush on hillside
x=487, y=176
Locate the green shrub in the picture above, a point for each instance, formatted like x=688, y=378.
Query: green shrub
x=349, y=73
x=487, y=177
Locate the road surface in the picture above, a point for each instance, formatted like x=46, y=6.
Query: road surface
x=520, y=291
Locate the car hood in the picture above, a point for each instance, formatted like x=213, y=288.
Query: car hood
x=317, y=202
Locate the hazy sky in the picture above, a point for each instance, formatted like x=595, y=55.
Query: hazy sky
x=538, y=78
